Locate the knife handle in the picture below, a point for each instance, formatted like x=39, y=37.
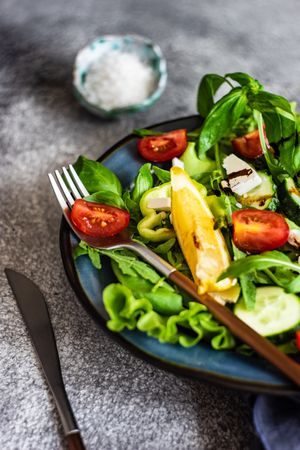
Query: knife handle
x=34, y=310
x=74, y=441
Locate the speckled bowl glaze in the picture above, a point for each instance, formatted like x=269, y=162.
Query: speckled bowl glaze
x=147, y=52
x=225, y=367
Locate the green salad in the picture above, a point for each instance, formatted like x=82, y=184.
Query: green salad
x=222, y=205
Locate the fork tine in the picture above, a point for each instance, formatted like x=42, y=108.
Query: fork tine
x=78, y=181
x=71, y=184
x=57, y=192
x=64, y=188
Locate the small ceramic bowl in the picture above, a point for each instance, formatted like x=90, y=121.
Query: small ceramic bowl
x=147, y=52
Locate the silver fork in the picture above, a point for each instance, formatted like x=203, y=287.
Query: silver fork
x=265, y=348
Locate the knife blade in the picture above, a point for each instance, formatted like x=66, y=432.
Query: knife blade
x=32, y=305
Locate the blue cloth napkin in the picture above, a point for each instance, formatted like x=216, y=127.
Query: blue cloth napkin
x=277, y=422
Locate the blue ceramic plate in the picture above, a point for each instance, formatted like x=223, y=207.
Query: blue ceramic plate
x=226, y=367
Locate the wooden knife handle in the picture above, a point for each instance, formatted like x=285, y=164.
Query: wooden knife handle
x=74, y=441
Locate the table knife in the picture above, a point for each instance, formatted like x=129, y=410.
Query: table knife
x=33, y=307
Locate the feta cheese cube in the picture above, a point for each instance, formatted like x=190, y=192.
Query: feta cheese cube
x=242, y=178
x=160, y=203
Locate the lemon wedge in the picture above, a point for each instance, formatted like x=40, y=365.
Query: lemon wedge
x=204, y=248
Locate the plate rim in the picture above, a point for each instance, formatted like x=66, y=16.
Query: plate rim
x=199, y=373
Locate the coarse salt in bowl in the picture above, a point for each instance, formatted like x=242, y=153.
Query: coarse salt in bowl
x=119, y=74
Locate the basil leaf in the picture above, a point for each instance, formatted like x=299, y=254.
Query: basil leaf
x=106, y=197
x=268, y=102
x=96, y=177
x=221, y=119
x=277, y=114
x=274, y=166
x=244, y=79
x=278, y=126
x=163, y=175
x=290, y=155
x=143, y=182
x=246, y=282
x=259, y=262
x=208, y=86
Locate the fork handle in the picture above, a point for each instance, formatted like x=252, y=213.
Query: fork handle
x=240, y=329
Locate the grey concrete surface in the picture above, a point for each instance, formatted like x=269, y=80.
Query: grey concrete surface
x=120, y=401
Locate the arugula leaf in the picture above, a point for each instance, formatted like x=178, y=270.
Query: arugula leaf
x=132, y=206
x=106, y=197
x=144, y=132
x=221, y=119
x=93, y=253
x=94, y=256
x=285, y=278
x=96, y=177
x=292, y=225
x=248, y=290
x=259, y=262
x=162, y=297
x=165, y=247
x=129, y=264
x=143, y=182
x=289, y=347
x=79, y=251
x=163, y=175
x=260, y=277
x=125, y=262
x=208, y=86
x=294, y=286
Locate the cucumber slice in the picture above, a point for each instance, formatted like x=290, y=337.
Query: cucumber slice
x=289, y=197
x=275, y=311
x=262, y=196
x=195, y=166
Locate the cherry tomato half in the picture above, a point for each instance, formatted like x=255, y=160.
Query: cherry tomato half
x=95, y=219
x=164, y=147
x=256, y=231
x=248, y=146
